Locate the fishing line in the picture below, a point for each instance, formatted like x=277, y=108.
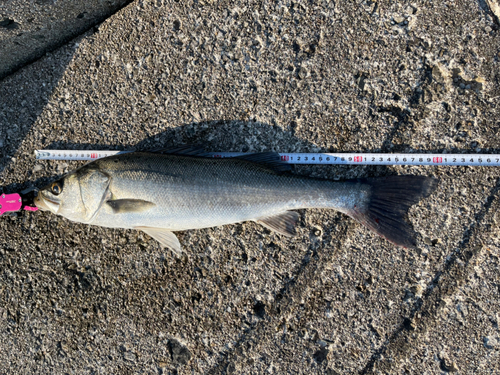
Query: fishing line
x=353, y=158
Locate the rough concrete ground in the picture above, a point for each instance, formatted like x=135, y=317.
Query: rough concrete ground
x=284, y=76
x=29, y=29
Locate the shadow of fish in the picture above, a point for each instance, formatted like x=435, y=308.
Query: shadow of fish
x=174, y=190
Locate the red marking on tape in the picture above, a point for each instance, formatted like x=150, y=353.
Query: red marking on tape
x=358, y=159
x=437, y=160
x=285, y=158
x=93, y=156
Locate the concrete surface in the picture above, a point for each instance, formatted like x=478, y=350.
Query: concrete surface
x=29, y=29
x=284, y=76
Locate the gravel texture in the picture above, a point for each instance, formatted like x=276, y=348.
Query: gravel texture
x=258, y=76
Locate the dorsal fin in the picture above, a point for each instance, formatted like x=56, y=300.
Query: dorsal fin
x=188, y=150
x=271, y=160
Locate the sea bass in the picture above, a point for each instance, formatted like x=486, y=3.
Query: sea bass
x=160, y=193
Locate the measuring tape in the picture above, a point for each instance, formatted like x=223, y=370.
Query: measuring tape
x=358, y=158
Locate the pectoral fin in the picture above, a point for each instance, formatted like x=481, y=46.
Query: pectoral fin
x=165, y=237
x=283, y=223
x=121, y=206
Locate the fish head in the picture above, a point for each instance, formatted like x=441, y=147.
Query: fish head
x=78, y=196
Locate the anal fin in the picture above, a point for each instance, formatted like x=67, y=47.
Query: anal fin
x=283, y=223
x=165, y=237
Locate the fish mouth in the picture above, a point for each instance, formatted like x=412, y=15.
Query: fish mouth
x=46, y=204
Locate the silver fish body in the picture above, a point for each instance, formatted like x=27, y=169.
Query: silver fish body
x=193, y=193
x=164, y=193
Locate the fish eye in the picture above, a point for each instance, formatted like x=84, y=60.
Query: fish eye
x=56, y=188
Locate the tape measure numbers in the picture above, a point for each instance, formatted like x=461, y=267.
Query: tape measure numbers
x=487, y=160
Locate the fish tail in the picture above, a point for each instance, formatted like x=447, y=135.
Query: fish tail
x=387, y=204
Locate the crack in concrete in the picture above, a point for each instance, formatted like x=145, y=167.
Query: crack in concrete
x=53, y=45
x=445, y=283
x=295, y=290
x=292, y=292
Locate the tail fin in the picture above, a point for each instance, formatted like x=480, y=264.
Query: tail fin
x=388, y=203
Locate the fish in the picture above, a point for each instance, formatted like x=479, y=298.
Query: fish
x=164, y=191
